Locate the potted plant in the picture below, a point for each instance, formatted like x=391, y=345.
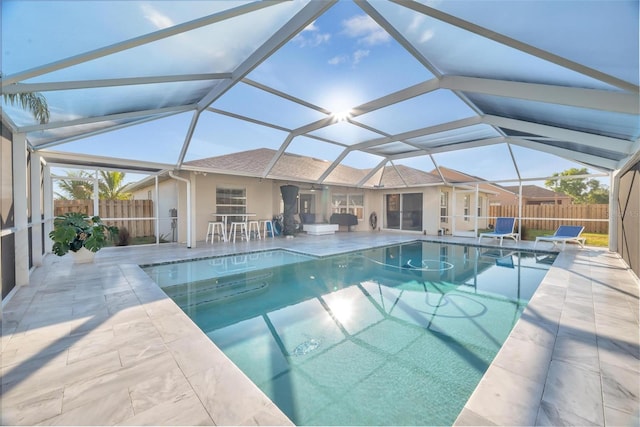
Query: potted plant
x=77, y=232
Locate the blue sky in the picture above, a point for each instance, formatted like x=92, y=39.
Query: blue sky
x=339, y=61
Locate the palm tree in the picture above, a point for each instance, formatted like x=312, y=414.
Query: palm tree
x=76, y=189
x=111, y=186
x=33, y=102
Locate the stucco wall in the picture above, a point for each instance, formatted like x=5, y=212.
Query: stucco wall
x=259, y=193
x=264, y=199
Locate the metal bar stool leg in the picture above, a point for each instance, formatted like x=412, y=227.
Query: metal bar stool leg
x=210, y=228
x=254, y=227
x=267, y=228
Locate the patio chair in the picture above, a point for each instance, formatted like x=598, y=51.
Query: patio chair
x=504, y=228
x=564, y=234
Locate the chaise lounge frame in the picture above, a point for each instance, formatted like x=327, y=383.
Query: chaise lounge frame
x=504, y=228
x=564, y=234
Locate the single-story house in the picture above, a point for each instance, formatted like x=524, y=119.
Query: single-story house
x=395, y=197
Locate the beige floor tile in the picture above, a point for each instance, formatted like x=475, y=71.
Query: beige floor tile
x=170, y=386
x=187, y=411
x=102, y=385
x=33, y=408
x=574, y=393
x=506, y=399
x=100, y=412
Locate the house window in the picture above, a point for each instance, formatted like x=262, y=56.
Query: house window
x=467, y=207
x=231, y=201
x=444, y=206
x=348, y=203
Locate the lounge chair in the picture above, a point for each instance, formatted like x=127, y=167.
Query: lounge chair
x=564, y=234
x=504, y=228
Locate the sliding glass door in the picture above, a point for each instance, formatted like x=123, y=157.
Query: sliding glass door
x=404, y=211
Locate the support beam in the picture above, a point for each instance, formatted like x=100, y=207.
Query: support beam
x=516, y=44
x=36, y=209
x=92, y=84
x=307, y=15
x=617, y=102
x=47, y=208
x=372, y=172
x=20, y=207
x=136, y=41
x=107, y=118
x=574, y=156
x=582, y=138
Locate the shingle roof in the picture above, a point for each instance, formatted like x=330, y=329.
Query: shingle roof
x=309, y=169
x=292, y=166
x=402, y=175
x=533, y=191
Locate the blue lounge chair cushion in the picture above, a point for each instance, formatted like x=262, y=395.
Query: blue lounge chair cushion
x=504, y=228
x=564, y=234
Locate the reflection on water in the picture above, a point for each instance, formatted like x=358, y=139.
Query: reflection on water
x=388, y=336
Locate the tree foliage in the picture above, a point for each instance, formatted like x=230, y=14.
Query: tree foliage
x=33, y=102
x=75, y=189
x=110, y=186
x=581, y=190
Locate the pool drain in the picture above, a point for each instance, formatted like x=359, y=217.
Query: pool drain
x=306, y=347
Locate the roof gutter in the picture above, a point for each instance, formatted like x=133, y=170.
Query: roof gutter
x=179, y=178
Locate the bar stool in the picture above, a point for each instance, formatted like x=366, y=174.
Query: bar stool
x=267, y=227
x=239, y=227
x=216, y=228
x=254, y=227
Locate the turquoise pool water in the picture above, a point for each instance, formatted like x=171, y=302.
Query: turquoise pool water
x=389, y=336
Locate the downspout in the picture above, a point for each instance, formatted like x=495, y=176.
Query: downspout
x=179, y=178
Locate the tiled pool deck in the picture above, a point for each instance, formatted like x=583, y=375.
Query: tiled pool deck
x=102, y=345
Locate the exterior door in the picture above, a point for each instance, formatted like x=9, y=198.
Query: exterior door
x=464, y=214
x=404, y=211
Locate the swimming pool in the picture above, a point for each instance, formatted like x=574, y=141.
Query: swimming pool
x=388, y=336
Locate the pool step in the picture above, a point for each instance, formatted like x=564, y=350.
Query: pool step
x=215, y=290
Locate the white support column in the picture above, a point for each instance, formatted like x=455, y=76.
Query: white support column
x=156, y=210
x=614, y=207
x=520, y=209
x=96, y=195
x=36, y=209
x=477, y=205
x=20, y=209
x=454, y=204
x=48, y=207
x=192, y=219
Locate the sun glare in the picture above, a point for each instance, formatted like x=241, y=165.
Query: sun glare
x=342, y=115
x=342, y=309
x=341, y=104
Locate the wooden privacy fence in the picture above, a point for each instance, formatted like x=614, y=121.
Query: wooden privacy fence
x=595, y=218
x=114, y=209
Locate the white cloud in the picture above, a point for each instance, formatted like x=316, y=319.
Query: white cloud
x=359, y=54
x=426, y=35
x=352, y=59
x=311, y=27
x=311, y=36
x=156, y=18
x=365, y=29
x=340, y=59
x=416, y=23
